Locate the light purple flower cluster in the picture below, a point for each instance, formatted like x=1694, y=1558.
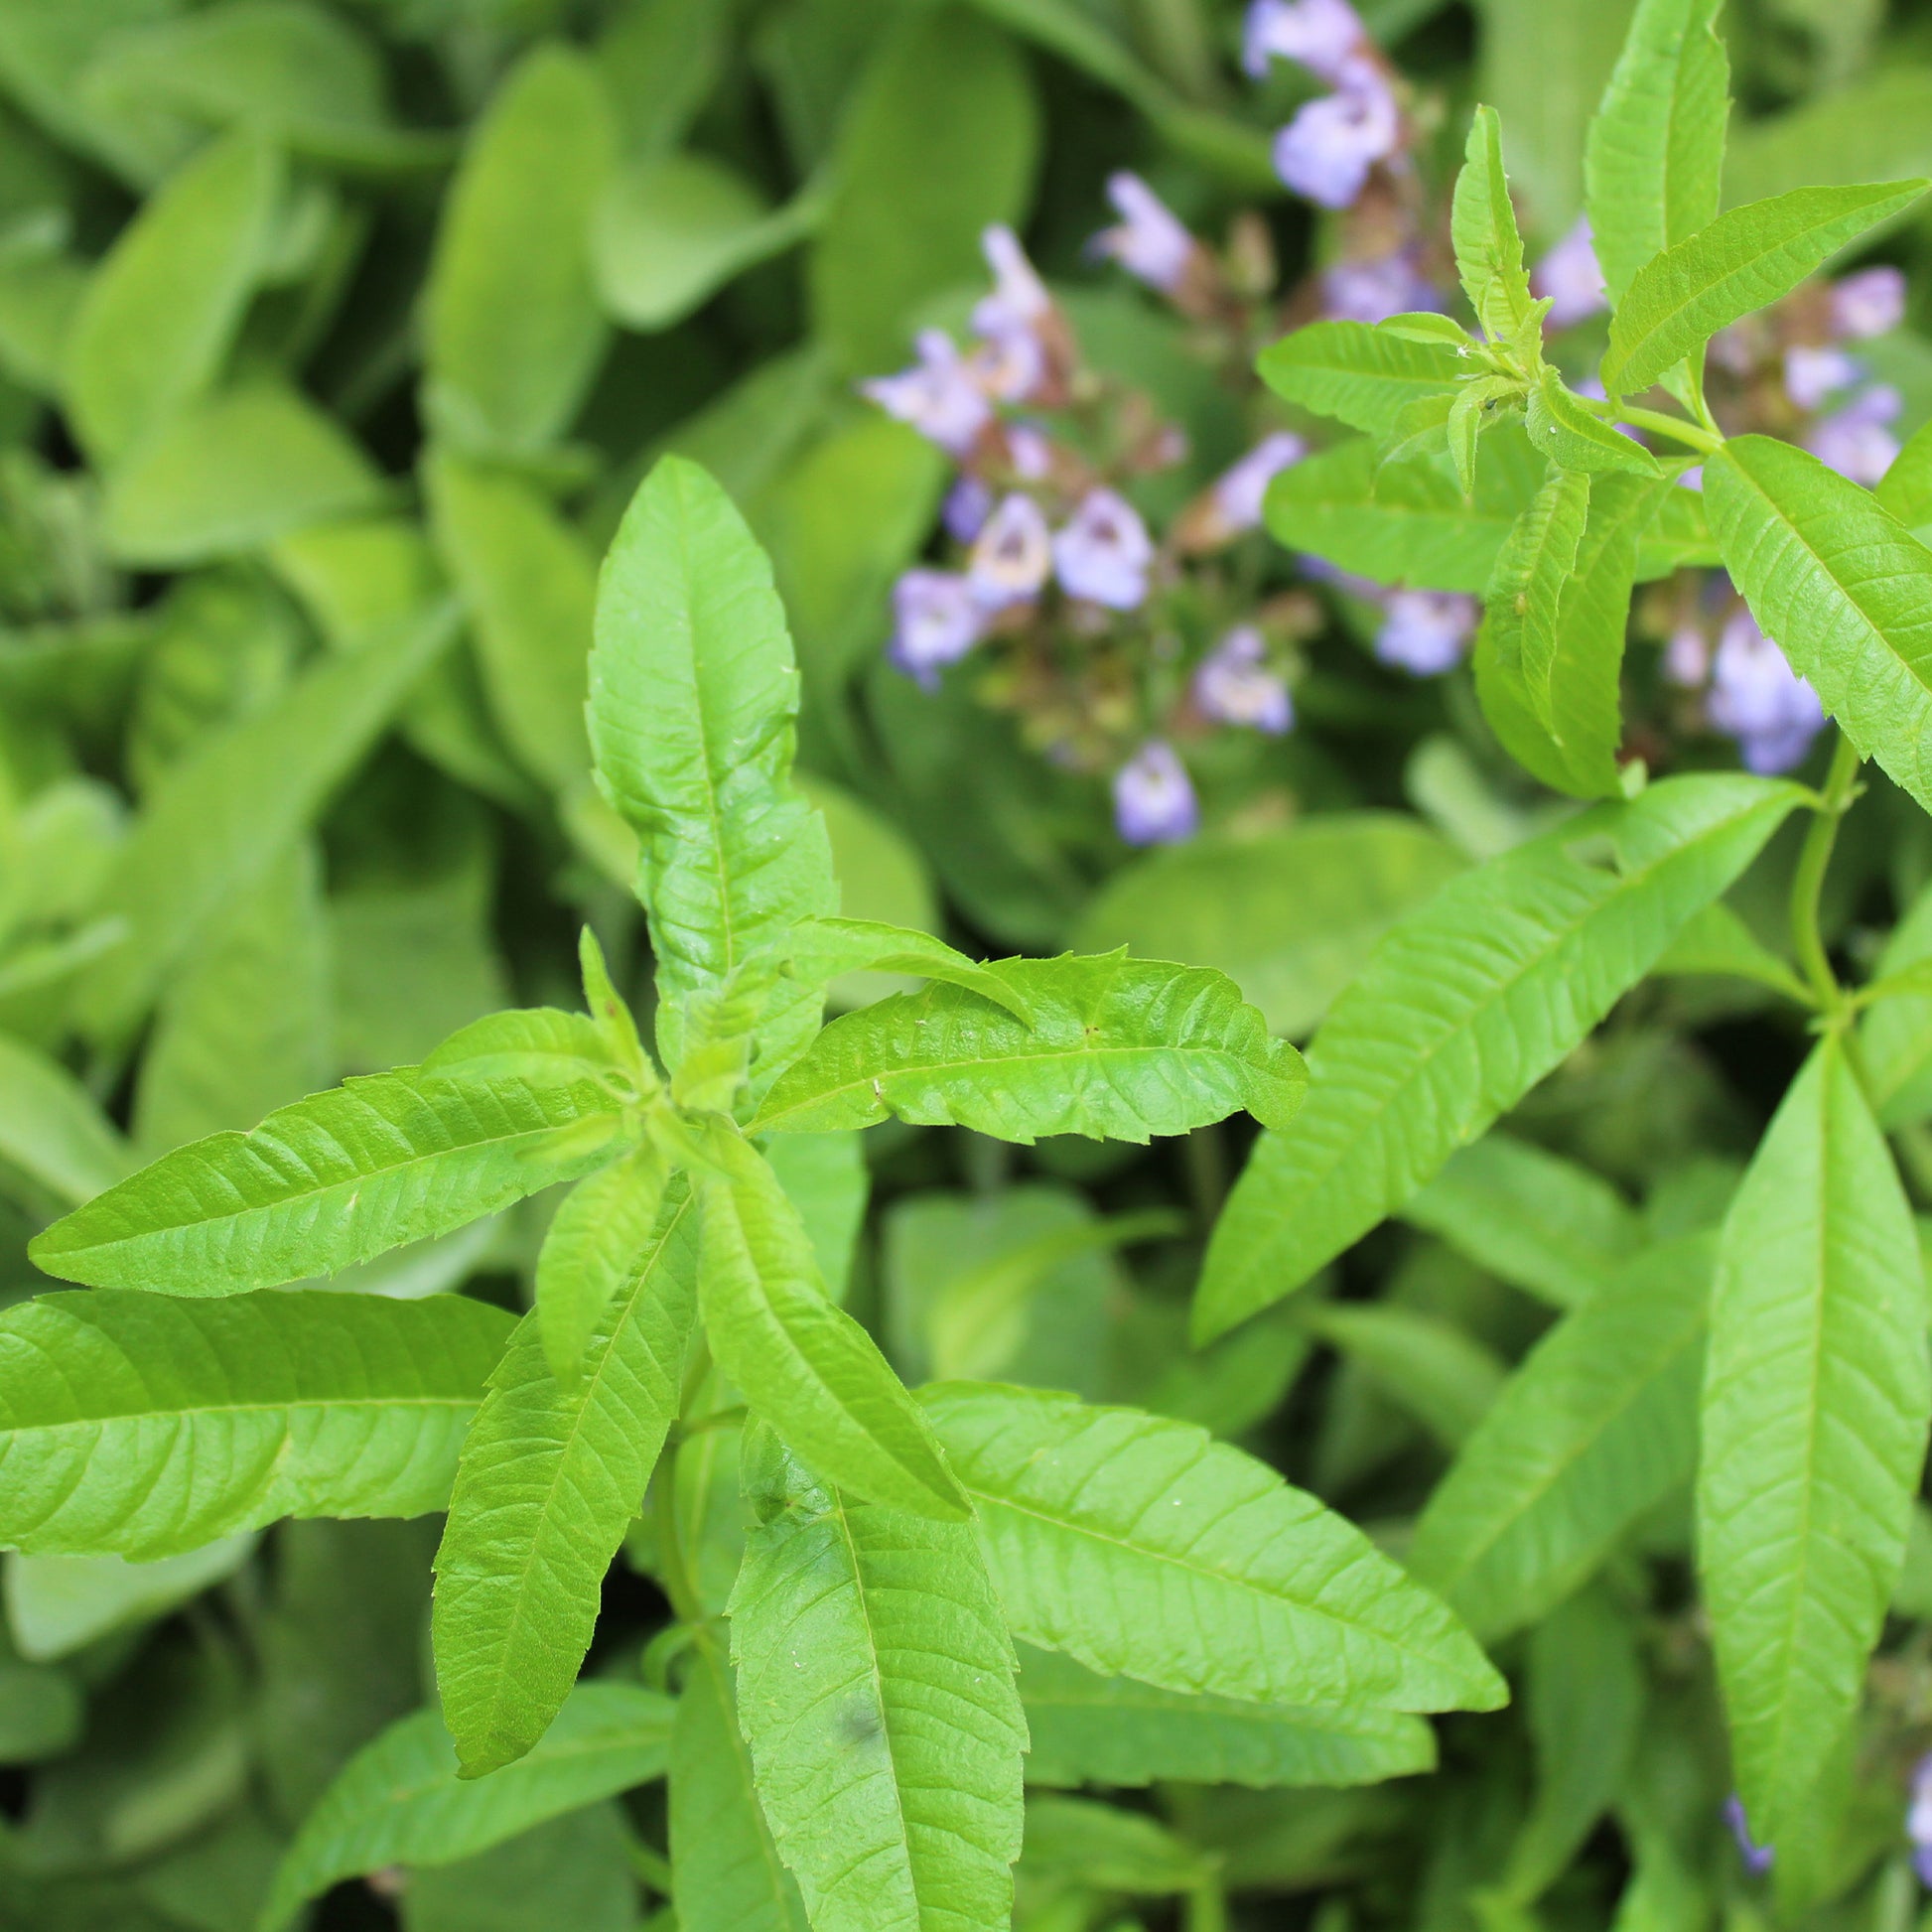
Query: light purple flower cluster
x=1235, y=685
x=1919, y=1819
x=1855, y=437
x=1149, y=240
x=1423, y=632
x=1153, y=798
x=1327, y=150
x=1570, y=277
x=1752, y=694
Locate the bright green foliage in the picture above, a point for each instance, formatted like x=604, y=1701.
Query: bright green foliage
x=1092, y=1729
x=1488, y=248
x=1538, y=563
x=336, y=1178
x=1596, y=1426
x=400, y=1801
x=141, y=1426
x=824, y=949
x=602, y=1227
x=549, y=1480
x=1743, y=260
x=1364, y=376
x=1464, y=1008
x=693, y=691
x=1106, y=1040
x=1565, y=429
x=874, y=1687
x=1248, y=1589
x=1896, y=1036
x=1654, y=158
x=1842, y=585
x=1817, y=1395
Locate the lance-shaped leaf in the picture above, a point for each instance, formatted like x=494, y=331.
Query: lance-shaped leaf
x=1653, y=161
x=824, y=949
x=693, y=693
x=216, y=825
x=804, y=1363
x=549, y=1481
x=140, y=1426
x=51, y=1129
x=1842, y=585
x=599, y=1232
x=1745, y=259
x=875, y=1688
x=400, y=1802
x=726, y=1871
x=1567, y=433
x=1406, y=522
x=1574, y=748
x=336, y=1178
x=1445, y=1378
x=1816, y=1399
x=1483, y=226
x=1144, y=1548
x=1595, y=1426
x=1118, y=1048
x=1364, y=375
x=1538, y=559
x=1092, y=1729
x=1895, y=1035
x=1464, y=1008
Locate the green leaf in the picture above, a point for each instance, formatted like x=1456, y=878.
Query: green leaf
x=1842, y=588
x=1118, y=1048
x=1482, y=224
x=400, y=1802
x=160, y=311
x=549, y=1481
x=1594, y=1429
x=1653, y=161
x=511, y=331
x=824, y=949
x=220, y=822
x=1816, y=1400
x=1366, y=377
x=1145, y=1549
x=578, y=1871
x=530, y=588
x=1537, y=562
x=805, y=1364
x=142, y=1426
x=1873, y=128
x=1895, y=1035
x=1113, y=1730
x=875, y=1688
x=1443, y=1377
x=1406, y=522
x=1463, y=1009
x=1905, y=490
x=57, y=1605
x=231, y=473
x=596, y=1235
x=51, y=1129
x=245, y=1027
x=724, y=1869
x=1743, y=260
x=1078, y=1842
x=1290, y=916
x=673, y=229
x=825, y=1178
x=1575, y=749
x=693, y=692
x=939, y=141
x=334, y=1179
x=1530, y=1217
x=1567, y=433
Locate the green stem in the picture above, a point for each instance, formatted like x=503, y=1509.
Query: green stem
x=1207, y=1906
x=1655, y=419
x=672, y=1569
x=1808, y=882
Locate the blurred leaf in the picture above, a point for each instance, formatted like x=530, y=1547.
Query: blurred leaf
x=60, y=1604
x=573, y=1872
x=1443, y=1377
x=1895, y=1035
x=1877, y=128
x=260, y=1396
x=825, y=1178
x=1080, y=1840
x=53, y=1131
x=660, y=60
x=40, y=1710
x=1718, y=942
x=882, y=876
x=402, y=1802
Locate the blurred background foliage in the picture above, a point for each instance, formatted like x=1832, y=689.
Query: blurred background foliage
x=332, y=340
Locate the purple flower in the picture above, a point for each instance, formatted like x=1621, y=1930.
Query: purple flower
x=1239, y=491
x=1812, y=373
x=1756, y=1856
x=1322, y=35
x=1687, y=658
x=1234, y=686
x=1327, y=149
x=1007, y=362
x=1425, y=632
x=1853, y=440
x=1011, y=555
x=1372, y=291
x=1018, y=299
x=1570, y=276
x=969, y=502
x=936, y=621
x=936, y=395
x=1030, y=451
x=1760, y=700
x=1154, y=801
x=1102, y=552
x=1149, y=240
x=1870, y=303
x=1918, y=1819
